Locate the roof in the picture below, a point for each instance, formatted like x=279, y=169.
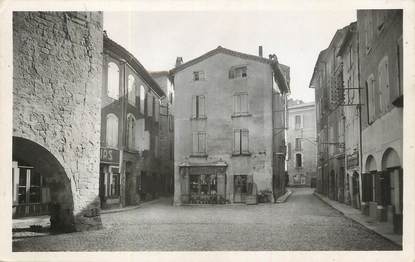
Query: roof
x=109, y=44
x=302, y=105
x=159, y=73
x=276, y=67
x=351, y=30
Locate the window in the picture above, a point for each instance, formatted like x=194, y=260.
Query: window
x=142, y=97
x=383, y=75
x=115, y=186
x=298, y=122
x=131, y=90
x=298, y=160
x=198, y=75
x=240, y=104
x=199, y=143
x=113, y=83
x=368, y=32
x=198, y=107
x=112, y=130
x=156, y=109
x=240, y=141
x=131, y=132
x=371, y=97
x=238, y=72
x=298, y=144
x=302, y=177
x=150, y=100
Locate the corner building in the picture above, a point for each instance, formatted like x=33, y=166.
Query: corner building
x=229, y=128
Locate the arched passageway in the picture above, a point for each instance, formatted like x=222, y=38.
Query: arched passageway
x=40, y=185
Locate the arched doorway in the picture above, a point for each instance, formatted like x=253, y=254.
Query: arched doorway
x=392, y=187
x=40, y=185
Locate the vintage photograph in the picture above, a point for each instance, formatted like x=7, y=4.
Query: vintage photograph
x=207, y=130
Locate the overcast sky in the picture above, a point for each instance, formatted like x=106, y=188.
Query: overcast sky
x=296, y=37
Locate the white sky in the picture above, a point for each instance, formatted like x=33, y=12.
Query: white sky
x=156, y=38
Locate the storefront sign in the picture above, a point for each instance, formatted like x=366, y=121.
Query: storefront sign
x=353, y=160
x=110, y=155
x=206, y=170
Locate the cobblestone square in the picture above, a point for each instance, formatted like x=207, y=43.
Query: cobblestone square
x=301, y=223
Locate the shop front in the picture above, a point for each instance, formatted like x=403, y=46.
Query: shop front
x=109, y=178
x=203, y=183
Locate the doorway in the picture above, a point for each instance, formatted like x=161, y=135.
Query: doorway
x=240, y=188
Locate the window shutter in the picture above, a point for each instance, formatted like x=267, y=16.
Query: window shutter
x=245, y=141
x=142, y=95
x=202, y=106
x=387, y=88
x=244, y=103
x=236, y=141
x=202, y=142
x=137, y=135
x=195, y=143
x=194, y=98
x=302, y=121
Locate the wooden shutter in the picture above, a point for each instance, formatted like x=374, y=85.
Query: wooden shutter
x=236, y=141
x=245, y=141
x=194, y=106
x=202, y=142
x=244, y=103
x=386, y=94
x=202, y=106
x=195, y=143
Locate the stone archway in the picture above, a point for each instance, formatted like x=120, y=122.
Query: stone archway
x=61, y=205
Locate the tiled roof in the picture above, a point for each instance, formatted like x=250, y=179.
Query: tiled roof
x=282, y=82
x=109, y=44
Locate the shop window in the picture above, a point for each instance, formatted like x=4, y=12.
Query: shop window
x=131, y=90
x=115, y=186
x=112, y=130
x=240, y=104
x=113, y=82
x=203, y=188
x=199, y=143
x=198, y=107
x=198, y=75
x=241, y=141
x=238, y=72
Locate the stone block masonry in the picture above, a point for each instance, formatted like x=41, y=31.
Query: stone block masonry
x=57, y=78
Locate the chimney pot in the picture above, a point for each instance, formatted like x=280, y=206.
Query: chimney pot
x=179, y=61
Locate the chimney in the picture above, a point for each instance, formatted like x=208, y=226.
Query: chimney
x=260, y=50
x=179, y=61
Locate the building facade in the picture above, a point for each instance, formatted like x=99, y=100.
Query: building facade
x=381, y=77
x=57, y=76
x=130, y=169
x=166, y=132
x=362, y=70
x=229, y=128
x=301, y=144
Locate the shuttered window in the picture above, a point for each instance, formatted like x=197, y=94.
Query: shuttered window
x=198, y=107
x=112, y=130
x=113, y=80
x=240, y=103
x=199, y=143
x=240, y=141
x=131, y=90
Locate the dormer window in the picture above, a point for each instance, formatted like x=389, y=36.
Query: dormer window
x=198, y=75
x=238, y=72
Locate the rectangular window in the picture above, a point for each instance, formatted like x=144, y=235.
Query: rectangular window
x=238, y=72
x=198, y=75
x=298, y=122
x=298, y=144
x=199, y=143
x=198, y=107
x=298, y=160
x=240, y=104
x=371, y=93
x=241, y=141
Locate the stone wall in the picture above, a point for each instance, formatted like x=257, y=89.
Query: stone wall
x=57, y=76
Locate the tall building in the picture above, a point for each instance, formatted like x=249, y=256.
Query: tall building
x=381, y=80
x=130, y=169
x=57, y=78
x=229, y=128
x=301, y=144
x=166, y=132
x=358, y=83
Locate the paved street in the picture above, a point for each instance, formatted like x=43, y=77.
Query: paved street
x=301, y=223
